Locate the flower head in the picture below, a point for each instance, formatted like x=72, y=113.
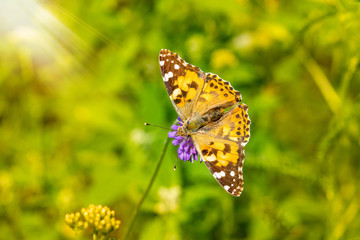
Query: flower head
x=100, y=218
x=186, y=150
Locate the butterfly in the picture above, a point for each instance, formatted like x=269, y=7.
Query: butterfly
x=212, y=117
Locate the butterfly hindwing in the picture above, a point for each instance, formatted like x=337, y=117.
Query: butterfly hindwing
x=221, y=146
x=234, y=125
x=229, y=176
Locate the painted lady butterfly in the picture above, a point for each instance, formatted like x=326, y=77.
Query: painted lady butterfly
x=212, y=117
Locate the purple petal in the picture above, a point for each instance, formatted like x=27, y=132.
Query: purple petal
x=186, y=150
x=193, y=151
x=187, y=157
x=172, y=134
x=181, y=154
x=186, y=147
x=174, y=127
x=181, y=146
x=176, y=141
x=182, y=151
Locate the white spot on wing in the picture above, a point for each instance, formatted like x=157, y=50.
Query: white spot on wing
x=176, y=92
x=232, y=173
x=216, y=175
x=170, y=74
x=166, y=77
x=222, y=173
x=210, y=158
x=162, y=63
x=176, y=66
x=226, y=187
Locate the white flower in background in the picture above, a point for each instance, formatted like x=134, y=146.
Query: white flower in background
x=168, y=200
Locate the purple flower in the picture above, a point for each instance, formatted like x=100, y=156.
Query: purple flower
x=186, y=150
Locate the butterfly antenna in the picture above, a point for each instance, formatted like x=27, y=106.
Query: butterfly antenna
x=148, y=124
x=175, y=164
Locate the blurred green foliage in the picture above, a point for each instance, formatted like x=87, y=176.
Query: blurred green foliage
x=79, y=78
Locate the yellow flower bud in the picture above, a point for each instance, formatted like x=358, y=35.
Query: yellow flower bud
x=101, y=219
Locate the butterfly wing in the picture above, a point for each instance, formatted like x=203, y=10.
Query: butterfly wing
x=184, y=82
x=191, y=91
x=221, y=146
x=217, y=93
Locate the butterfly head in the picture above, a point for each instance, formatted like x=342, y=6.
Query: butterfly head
x=182, y=131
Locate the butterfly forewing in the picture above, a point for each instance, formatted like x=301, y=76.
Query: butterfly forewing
x=217, y=93
x=183, y=82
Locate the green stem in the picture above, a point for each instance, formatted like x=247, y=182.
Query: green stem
x=321, y=80
x=136, y=211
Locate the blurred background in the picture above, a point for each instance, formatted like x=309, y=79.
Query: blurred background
x=79, y=78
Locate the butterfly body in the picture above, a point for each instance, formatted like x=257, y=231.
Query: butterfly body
x=193, y=124
x=212, y=116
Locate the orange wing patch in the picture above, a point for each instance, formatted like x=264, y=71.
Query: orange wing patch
x=230, y=177
x=183, y=81
x=216, y=93
x=221, y=146
x=217, y=150
x=234, y=125
x=225, y=159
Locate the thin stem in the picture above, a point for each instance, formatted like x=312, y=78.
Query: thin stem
x=349, y=74
x=330, y=95
x=136, y=211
